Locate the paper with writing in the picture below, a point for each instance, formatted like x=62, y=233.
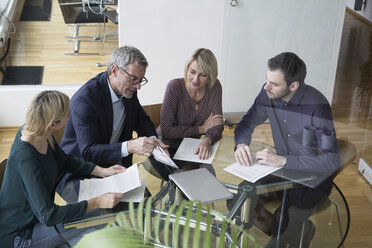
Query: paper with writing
x=118, y=183
x=135, y=195
x=251, y=173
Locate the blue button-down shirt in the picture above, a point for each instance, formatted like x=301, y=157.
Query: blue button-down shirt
x=302, y=129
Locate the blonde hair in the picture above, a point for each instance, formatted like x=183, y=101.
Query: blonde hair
x=47, y=107
x=207, y=63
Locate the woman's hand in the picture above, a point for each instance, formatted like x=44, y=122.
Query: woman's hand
x=108, y=200
x=105, y=172
x=204, y=149
x=212, y=121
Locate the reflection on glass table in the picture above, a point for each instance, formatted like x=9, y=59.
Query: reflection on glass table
x=330, y=219
x=247, y=207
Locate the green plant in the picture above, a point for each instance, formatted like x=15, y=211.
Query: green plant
x=151, y=228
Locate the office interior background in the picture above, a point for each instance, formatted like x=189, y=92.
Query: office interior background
x=43, y=43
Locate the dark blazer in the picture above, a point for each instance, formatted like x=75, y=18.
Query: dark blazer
x=89, y=126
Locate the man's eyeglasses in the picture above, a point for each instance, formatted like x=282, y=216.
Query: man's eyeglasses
x=135, y=81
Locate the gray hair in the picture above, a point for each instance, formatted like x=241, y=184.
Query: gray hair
x=126, y=55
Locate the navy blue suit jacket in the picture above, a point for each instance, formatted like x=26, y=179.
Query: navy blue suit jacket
x=89, y=126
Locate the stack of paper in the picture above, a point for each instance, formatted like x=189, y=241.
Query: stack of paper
x=251, y=173
x=118, y=183
x=186, y=151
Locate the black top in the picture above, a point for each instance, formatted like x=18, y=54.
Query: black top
x=27, y=192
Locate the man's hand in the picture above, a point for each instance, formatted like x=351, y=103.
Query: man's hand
x=108, y=200
x=204, y=149
x=213, y=120
x=162, y=145
x=145, y=146
x=266, y=156
x=243, y=155
x=105, y=172
x=142, y=146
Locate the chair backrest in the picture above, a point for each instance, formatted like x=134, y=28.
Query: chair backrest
x=150, y=169
x=347, y=152
x=153, y=111
x=2, y=170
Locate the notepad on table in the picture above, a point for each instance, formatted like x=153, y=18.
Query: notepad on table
x=186, y=151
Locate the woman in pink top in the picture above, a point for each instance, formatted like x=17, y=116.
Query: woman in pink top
x=192, y=105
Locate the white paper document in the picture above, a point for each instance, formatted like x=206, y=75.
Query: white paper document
x=118, y=183
x=135, y=195
x=251, y=173
x=186, y=151
x=161, y=156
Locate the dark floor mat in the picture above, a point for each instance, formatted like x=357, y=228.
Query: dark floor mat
x=36, y=10
x=23, y=75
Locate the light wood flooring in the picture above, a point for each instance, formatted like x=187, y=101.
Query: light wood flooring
x=43, y=43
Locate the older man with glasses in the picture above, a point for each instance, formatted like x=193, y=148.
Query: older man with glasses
x=105, y=111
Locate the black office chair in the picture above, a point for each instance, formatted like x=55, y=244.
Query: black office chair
x=348, y=153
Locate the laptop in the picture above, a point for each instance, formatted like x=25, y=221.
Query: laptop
x=200, y=184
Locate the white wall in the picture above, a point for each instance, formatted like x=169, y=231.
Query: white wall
x=256, y=30
x=243, y=38
x=14, y=100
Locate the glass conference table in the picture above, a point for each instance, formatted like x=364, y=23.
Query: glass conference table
x=331, y=219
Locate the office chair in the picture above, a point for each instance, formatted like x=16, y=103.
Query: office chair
x=348, y=153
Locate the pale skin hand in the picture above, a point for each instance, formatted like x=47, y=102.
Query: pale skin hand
x=243, y=155
x=108, y=200
x=212, y=121
x=204, y=149
x=268, y=157
x=105, y=172
x=144, y=145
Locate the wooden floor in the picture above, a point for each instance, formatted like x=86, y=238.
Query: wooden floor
x=43, y=43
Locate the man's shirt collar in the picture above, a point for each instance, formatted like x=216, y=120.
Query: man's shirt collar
x=114, y=97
